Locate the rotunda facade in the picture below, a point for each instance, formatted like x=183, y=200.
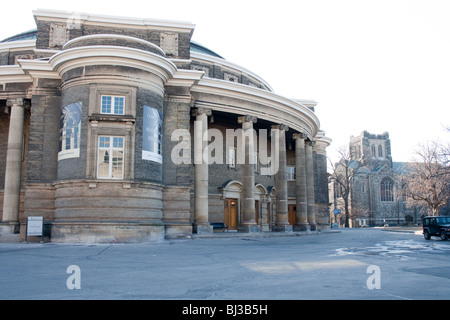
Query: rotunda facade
x=125, y=130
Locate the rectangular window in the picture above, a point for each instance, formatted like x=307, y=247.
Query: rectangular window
x=290, y=173
x=112, y=105
x=231, y=157
x=110, y=157
x=255, y=162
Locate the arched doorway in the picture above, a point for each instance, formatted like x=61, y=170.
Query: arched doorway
x=231, y=196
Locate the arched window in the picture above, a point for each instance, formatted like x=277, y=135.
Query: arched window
x=387, y=189
x=374, y=154
x=380, y=151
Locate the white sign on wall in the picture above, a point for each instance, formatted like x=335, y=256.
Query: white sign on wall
x=35, y=226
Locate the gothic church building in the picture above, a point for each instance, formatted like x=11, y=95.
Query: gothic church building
x=377, y=196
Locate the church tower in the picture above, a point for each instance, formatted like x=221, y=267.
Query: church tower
x=373, y=148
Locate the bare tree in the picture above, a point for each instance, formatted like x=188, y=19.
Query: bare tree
x=343, y=174
x=428, y=182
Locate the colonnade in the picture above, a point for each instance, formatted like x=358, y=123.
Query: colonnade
x=304, y=183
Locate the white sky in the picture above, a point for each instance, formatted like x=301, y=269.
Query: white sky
x=376, y=65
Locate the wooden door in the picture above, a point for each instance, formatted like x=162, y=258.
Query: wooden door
x=257, y=211
x=292, y=214
x=231, y=213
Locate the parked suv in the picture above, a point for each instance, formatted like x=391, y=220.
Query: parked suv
x=436, y=226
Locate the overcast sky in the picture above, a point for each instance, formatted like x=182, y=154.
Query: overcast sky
x=375, y=65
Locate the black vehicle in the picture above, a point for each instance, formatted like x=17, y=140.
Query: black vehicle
x=436, y=226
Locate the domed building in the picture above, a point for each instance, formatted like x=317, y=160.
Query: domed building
x=123, y=129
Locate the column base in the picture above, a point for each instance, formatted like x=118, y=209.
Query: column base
x=175, y=230
x=203, y=229
x=313, y=226
x=282, y=228
x=9, y=232
x=249, y=228
x=302, y=227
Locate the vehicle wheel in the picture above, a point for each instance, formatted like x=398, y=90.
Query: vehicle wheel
x=443, y=235
x=426, y=235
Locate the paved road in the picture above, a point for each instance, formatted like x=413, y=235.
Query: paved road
x=324, y=266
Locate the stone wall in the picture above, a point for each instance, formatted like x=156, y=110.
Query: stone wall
x=53, y=35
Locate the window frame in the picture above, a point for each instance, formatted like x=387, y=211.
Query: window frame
x=255, y=162
x=111, y=150
x=231, y=158
x=291, y=172
x=113, y=104
x=387, y=190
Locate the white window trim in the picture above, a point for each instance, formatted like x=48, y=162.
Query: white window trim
x=110, y=150
x=290, y=173
x=231, y=158
x=112, y=104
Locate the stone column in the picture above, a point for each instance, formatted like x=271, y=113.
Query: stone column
x=201, y=215
x=310, y=184
x=282, y=222
x=11, y=202
x=300, y=183
x=248, y=223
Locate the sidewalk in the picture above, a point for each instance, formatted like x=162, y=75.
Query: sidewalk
x=413, y=230
x=217, y=235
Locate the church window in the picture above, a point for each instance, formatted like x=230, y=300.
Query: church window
x=380, y=151
x=374, y=154
x=387, y=189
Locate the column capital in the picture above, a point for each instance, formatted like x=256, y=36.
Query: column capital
x=17, y=102
x=201, y=111
x=310, y=143
x=301, y=136
x=247, y=118
x=282, y=127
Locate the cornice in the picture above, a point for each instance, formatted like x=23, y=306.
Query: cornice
x=21, y=44
x=113, y=55
x=115, y=21
x=227, y=64
x=102, y=36
x=185, y=78
x=297, y=116
x=38, y=69
x=13, y=74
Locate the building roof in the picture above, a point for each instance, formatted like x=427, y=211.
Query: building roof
x=27, y=35
x=196, y=47
x=32, y=34
x=402, y=167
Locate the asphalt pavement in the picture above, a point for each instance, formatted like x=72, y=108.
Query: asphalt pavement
x=369, y=264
